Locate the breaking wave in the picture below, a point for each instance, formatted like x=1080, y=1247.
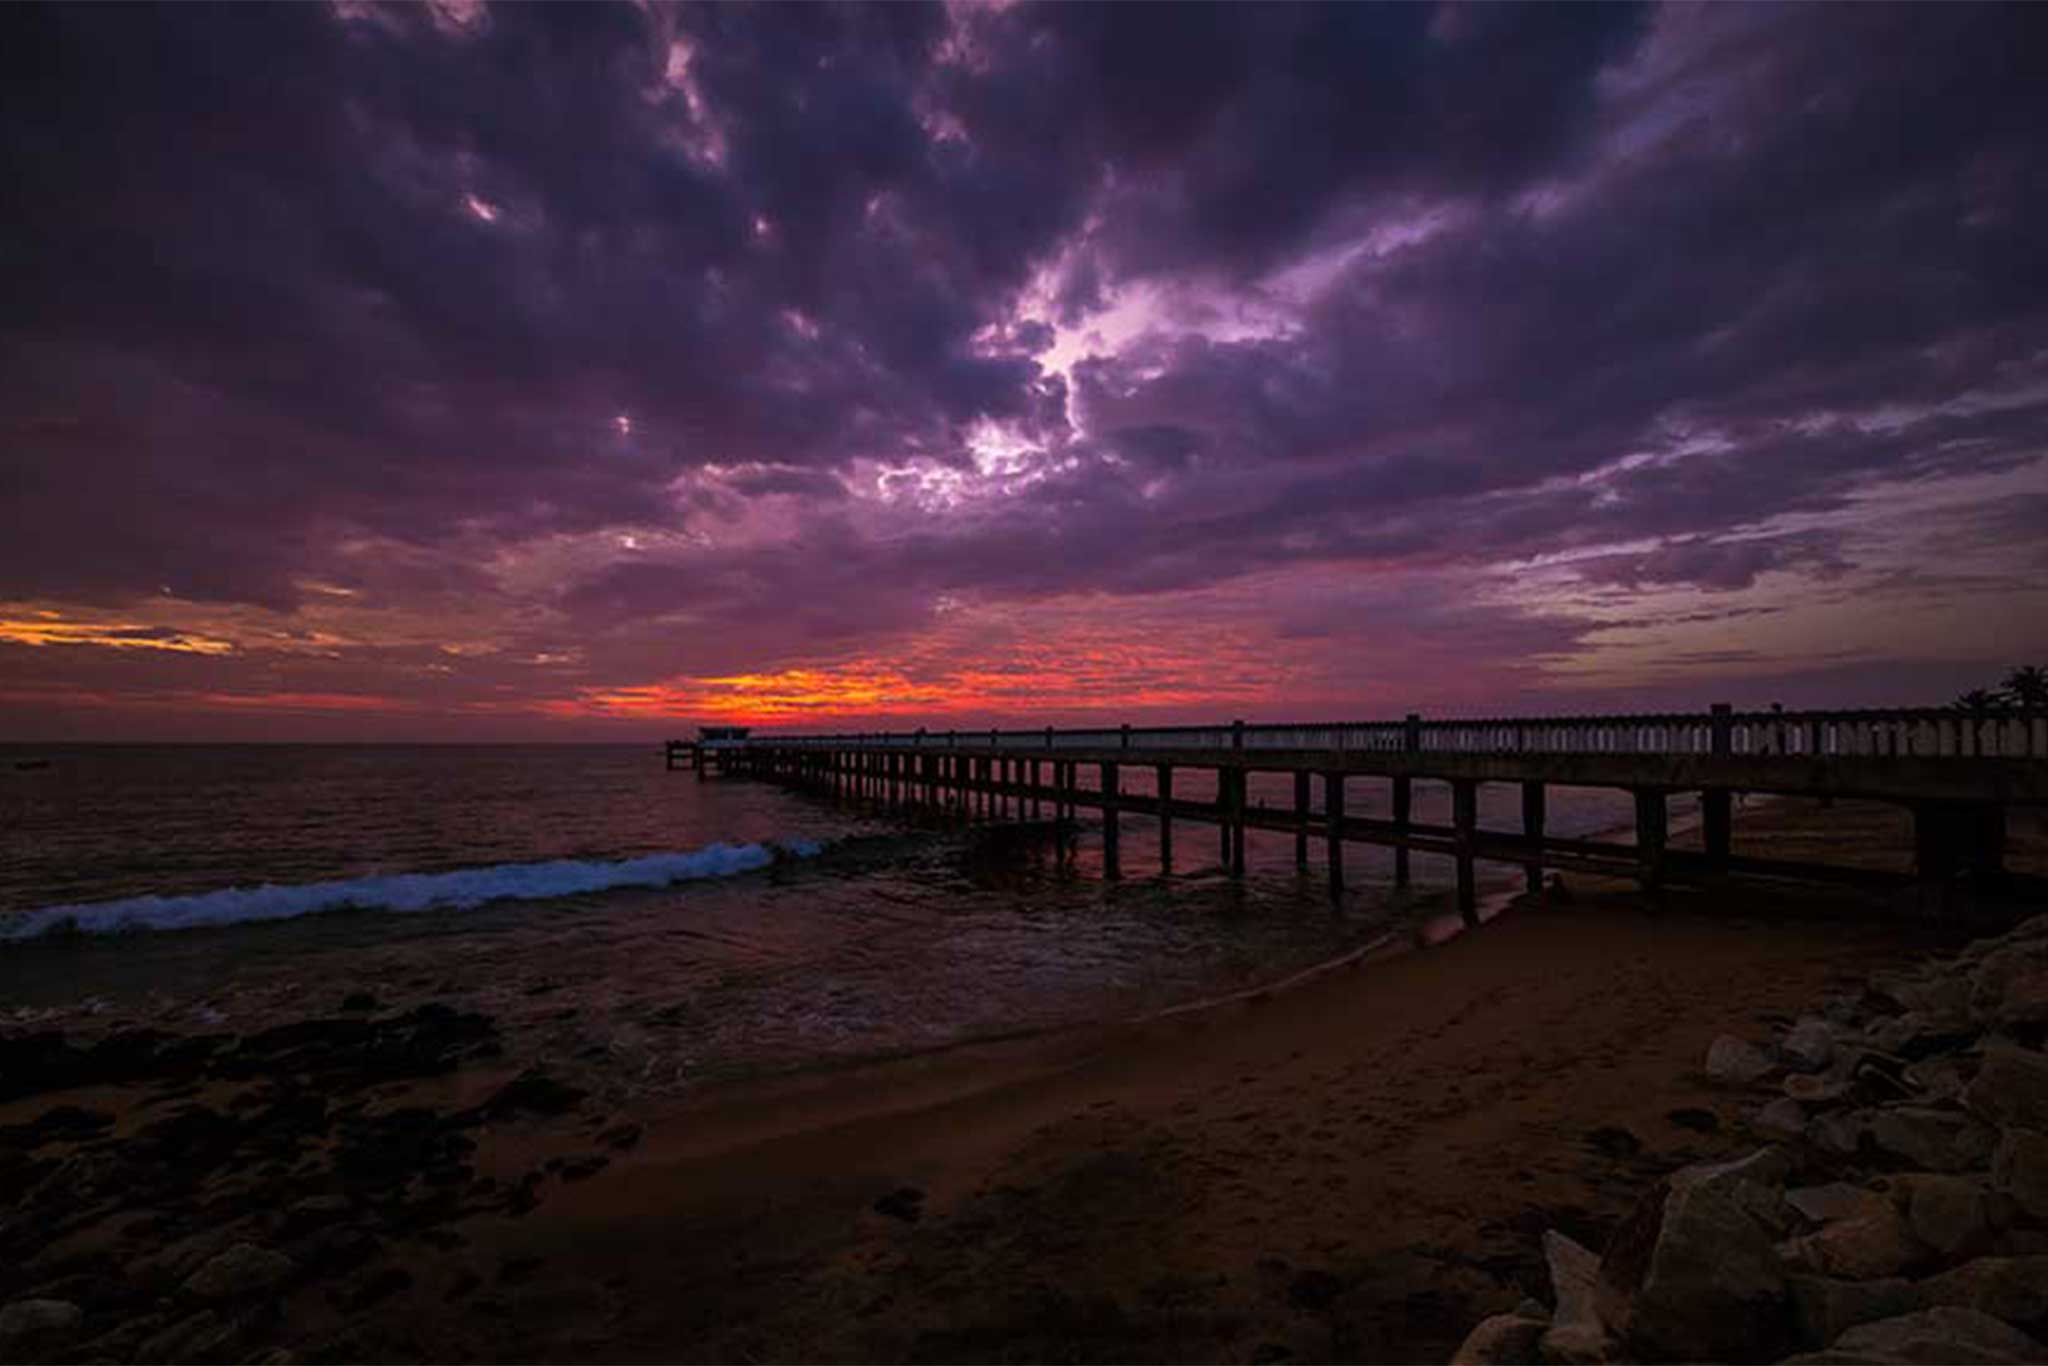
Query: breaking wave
x=456, y=890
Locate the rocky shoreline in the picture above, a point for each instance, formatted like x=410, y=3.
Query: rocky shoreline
x=1896, y=1209
x=244, y=1169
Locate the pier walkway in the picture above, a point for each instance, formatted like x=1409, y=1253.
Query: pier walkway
x=1958, y=772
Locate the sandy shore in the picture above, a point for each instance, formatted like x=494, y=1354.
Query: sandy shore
x=1356, y=1167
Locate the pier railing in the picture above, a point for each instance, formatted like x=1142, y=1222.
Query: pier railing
x=1956, y=771
x=1922, y=732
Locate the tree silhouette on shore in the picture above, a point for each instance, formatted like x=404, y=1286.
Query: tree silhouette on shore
x=2026, y=688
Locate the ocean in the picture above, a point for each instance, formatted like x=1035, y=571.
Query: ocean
x=637, y=925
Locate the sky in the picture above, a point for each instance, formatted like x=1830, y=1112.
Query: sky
x=465, y=372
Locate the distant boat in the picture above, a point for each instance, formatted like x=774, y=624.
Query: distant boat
x=30, y=765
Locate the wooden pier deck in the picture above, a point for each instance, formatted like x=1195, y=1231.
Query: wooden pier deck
x=1957, y=772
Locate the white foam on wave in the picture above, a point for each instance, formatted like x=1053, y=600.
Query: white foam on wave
x=457, y=890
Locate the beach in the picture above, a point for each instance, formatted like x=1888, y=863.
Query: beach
x=1351, y=1163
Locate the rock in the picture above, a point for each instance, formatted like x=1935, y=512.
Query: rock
x=1809, y=1045
x=1836, y=1200
x=244, y=1270
x=61, y=1124
x=905, y=1203
x=313, y=1212
x=532, y=1091
x=1736, y=1062
x=1699, y=1274
x=1693, y=1118
x=1933, y=1336
x=1876, y=1242
x=2010, y=986
x=1949, y=1214
x=169, y=1265
x=334, y=1248
x=374, y=1288
x=358, y=1002
x=1823, y=1307
x=1936, y=1140
x=2011, y=1087
x=1815, y=1090
x=1877, y=1078
x=1782, y=1118
x=1842, y=1008
x=1578, y=1329
x=1918, y=1034
x=1756, y=1183
x=2012, y=1288
x=2019, y=1170
x=1611, y=1140
x=201, y=1337
x=1940, y=995
x=1841, y=1132
x=620, y=1137
x=32, y=1328
x=1938, y=1079
x=1897, y=1034
x=1502, y=1339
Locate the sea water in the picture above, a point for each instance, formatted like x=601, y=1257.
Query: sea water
x=628, y=921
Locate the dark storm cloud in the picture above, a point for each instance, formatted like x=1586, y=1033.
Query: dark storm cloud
x=280, y=277
x=272, y=267
x=1236, y=129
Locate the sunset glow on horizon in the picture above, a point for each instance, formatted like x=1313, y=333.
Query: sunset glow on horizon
x=557, y=372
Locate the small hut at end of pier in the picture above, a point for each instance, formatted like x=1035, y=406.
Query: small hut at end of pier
x=712, y=745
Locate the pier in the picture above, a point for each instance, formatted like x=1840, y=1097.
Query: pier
x=1957, y=772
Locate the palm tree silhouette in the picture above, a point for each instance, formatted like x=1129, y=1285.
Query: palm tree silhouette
x=1979, y=700
x=2028, y=687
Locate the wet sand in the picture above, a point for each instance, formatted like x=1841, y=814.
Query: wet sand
x=1355, y=1167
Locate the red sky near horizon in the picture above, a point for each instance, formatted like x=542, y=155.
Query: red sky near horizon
x=466, y=371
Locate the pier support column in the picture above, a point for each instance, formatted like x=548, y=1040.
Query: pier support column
x=1950, y=839
x=1404, y=802
x=1035, y=784
x=1987, y=863
x=1532, y=830
x=1652, y=825
x=1164, y=774
x=1938, y=844
x=1333, y=828
x=1301, y=820
x=1240, y=783
x=1223, y=819
x=1465, y=825
x=1934, y=854
x=1110, y=864
x=1717, y=829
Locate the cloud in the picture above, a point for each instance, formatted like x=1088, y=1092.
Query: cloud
x=716, y=342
